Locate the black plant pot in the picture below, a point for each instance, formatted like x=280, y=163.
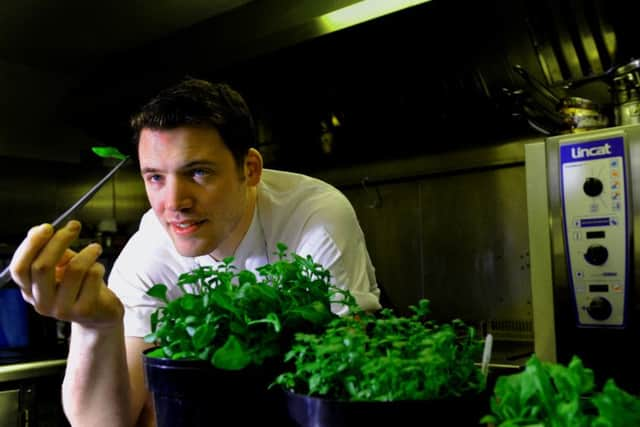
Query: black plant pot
x=308, y=411
x=190, y=393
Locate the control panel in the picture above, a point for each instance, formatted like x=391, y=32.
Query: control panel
x=596, y=227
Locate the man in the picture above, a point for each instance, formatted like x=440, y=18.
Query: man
x=210, y=199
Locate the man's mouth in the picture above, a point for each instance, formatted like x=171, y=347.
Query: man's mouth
x=184, y=228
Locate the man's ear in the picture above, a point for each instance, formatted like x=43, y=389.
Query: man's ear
x=253, y=167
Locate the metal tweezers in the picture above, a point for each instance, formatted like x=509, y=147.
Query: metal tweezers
x=5, y=276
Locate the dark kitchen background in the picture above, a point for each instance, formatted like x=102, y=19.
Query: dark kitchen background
x=419, y=116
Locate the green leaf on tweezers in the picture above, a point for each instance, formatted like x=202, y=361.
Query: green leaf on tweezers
x=108, y=152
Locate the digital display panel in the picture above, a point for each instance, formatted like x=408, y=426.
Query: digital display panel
x=595, y=234
x=598, y=288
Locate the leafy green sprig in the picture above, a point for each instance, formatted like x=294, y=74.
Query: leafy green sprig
x=555, y=395
x=386, y=358
x=235, y=319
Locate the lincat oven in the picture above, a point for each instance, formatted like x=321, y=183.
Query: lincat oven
x=583, y=196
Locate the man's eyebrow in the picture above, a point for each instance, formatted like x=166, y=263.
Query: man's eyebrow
x=148, y=170
x=186, y=166
x=197, y=163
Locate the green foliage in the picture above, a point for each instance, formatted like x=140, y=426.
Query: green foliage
x=554, y=395
x=234, y=319
x=108, y=152
x=386, y=358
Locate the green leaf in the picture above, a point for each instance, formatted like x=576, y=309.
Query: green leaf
x=271, y=319
x=189, y=303
x=390, y=357
x=108, y=152
x=316, y=312
x=555, y=395
x=203, y=336
x=616, y=407
x=235, y=318
x=224, y=301
x=232, y=355
x=282, y=248
x=158, y=291
x=157, y=353
x=246, y=277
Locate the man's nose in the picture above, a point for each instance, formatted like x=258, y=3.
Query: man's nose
x=177, y=196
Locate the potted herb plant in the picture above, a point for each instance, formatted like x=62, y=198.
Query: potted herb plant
x=377, y=369
x=555, y=395
x=222, y=342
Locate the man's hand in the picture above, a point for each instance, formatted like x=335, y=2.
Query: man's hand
x=61, y=283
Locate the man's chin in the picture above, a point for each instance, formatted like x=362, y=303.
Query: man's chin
x=192, y=250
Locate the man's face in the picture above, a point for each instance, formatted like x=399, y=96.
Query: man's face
x=194, y=186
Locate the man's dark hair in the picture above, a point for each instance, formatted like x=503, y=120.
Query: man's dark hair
x=199, y=103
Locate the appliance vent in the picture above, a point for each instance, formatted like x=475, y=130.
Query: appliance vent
x=508, y=330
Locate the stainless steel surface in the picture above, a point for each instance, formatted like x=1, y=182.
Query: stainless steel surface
x=539, y=255
x=389, y=214
x=572, y=39
x=414, y=168
x=9, y=408
x=5, y=276
x=628, y=112
x=21, y=371
x=475, y=245
x=625, y=88
x=451, y=228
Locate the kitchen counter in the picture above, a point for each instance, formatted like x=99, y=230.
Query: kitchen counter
x=30, y=390
x=22, y=371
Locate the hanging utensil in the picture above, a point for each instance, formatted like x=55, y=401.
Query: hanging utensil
x=581, y=114
x=5, y=276
x=625, y=91
x=537, y=85
x=624, y=87
x=486, y=355
x=570, y=114
x=540, y=111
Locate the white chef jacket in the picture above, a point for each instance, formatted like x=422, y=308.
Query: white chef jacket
x=310, y=216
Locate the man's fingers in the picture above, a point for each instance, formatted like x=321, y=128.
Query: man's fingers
x=62, y=265
x=60, y=282
x=86, y=309
x=20, y=265
x=80, y=271
x=44, y=265
x=27, y=297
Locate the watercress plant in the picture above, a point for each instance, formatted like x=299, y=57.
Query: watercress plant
x=385, y=357
x=555, y=395
x=237, y=318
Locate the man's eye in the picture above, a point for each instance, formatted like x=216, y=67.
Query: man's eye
x=199, y=173
x=154, y=178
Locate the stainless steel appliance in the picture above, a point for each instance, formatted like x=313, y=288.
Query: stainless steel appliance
x=583, y=196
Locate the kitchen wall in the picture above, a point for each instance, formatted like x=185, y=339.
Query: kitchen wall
x=428, y=103
x=451, y=228
x=428, y=93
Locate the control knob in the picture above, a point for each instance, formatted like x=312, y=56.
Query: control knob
x=596, y=255
x=599, y=308
x=592, y=186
